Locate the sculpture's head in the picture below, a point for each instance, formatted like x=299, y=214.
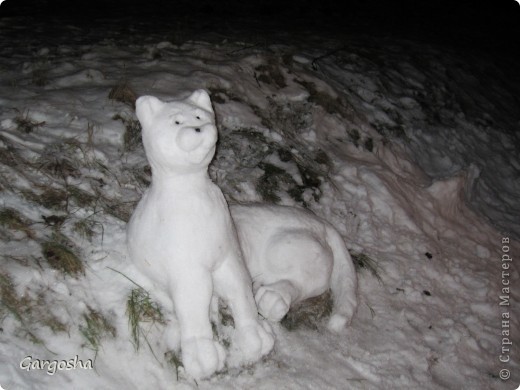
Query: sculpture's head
x=178, y=136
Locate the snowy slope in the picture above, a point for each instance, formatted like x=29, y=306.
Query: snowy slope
x=410, y=151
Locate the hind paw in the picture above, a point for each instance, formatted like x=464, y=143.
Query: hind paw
x=271, y=304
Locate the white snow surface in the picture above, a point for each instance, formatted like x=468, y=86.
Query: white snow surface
x=409, y=151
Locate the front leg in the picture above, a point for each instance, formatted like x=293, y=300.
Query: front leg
x=201, y=355
x=254, y=337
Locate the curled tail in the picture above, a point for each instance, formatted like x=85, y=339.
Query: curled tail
x=343, y=282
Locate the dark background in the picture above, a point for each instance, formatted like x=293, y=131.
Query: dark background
x=490, y=26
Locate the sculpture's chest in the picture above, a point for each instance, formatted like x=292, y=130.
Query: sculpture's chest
x=185, y=216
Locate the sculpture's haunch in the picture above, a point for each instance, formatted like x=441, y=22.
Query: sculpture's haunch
x=293, y=255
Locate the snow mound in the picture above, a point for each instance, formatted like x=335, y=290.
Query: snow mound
x=411, y=152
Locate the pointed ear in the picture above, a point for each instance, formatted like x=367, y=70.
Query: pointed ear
x=146, y=107
x=201, y=99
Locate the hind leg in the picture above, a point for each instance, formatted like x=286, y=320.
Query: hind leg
x=274, y=300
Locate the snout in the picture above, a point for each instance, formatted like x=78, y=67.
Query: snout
x=191, y=138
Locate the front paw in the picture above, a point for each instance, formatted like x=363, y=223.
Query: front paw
x=271, y=304
x=255, y=341
x=201, y=357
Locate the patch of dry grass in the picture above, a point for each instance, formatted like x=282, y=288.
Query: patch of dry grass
x=62, y=258
x=58, y=164
x=309, y=313
x=132, y=136
x=141, y=308
x=96, y=327
x=174, y=360
x=273, y=181
x=363, y=261
x=25, y=124
x=81, y=198
x=87, y=228
x=51, y=198
x=332, y=105
x=123, y=93
x=270, y=73
x=30, y=313
x=13, y=220
x=9, y=154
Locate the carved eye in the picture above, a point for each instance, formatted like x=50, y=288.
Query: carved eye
x=177, y=122
x=197, y=130
x=198, y=117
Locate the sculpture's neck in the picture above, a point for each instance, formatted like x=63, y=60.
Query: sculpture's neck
x=163, y=179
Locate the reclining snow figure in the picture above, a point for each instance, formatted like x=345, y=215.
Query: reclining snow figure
x=293, y=255
x=182, y=237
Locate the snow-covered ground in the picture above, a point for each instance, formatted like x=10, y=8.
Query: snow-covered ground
x=409, y=150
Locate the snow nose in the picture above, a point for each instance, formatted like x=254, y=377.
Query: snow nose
x=203, y=128
x=191, y=138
